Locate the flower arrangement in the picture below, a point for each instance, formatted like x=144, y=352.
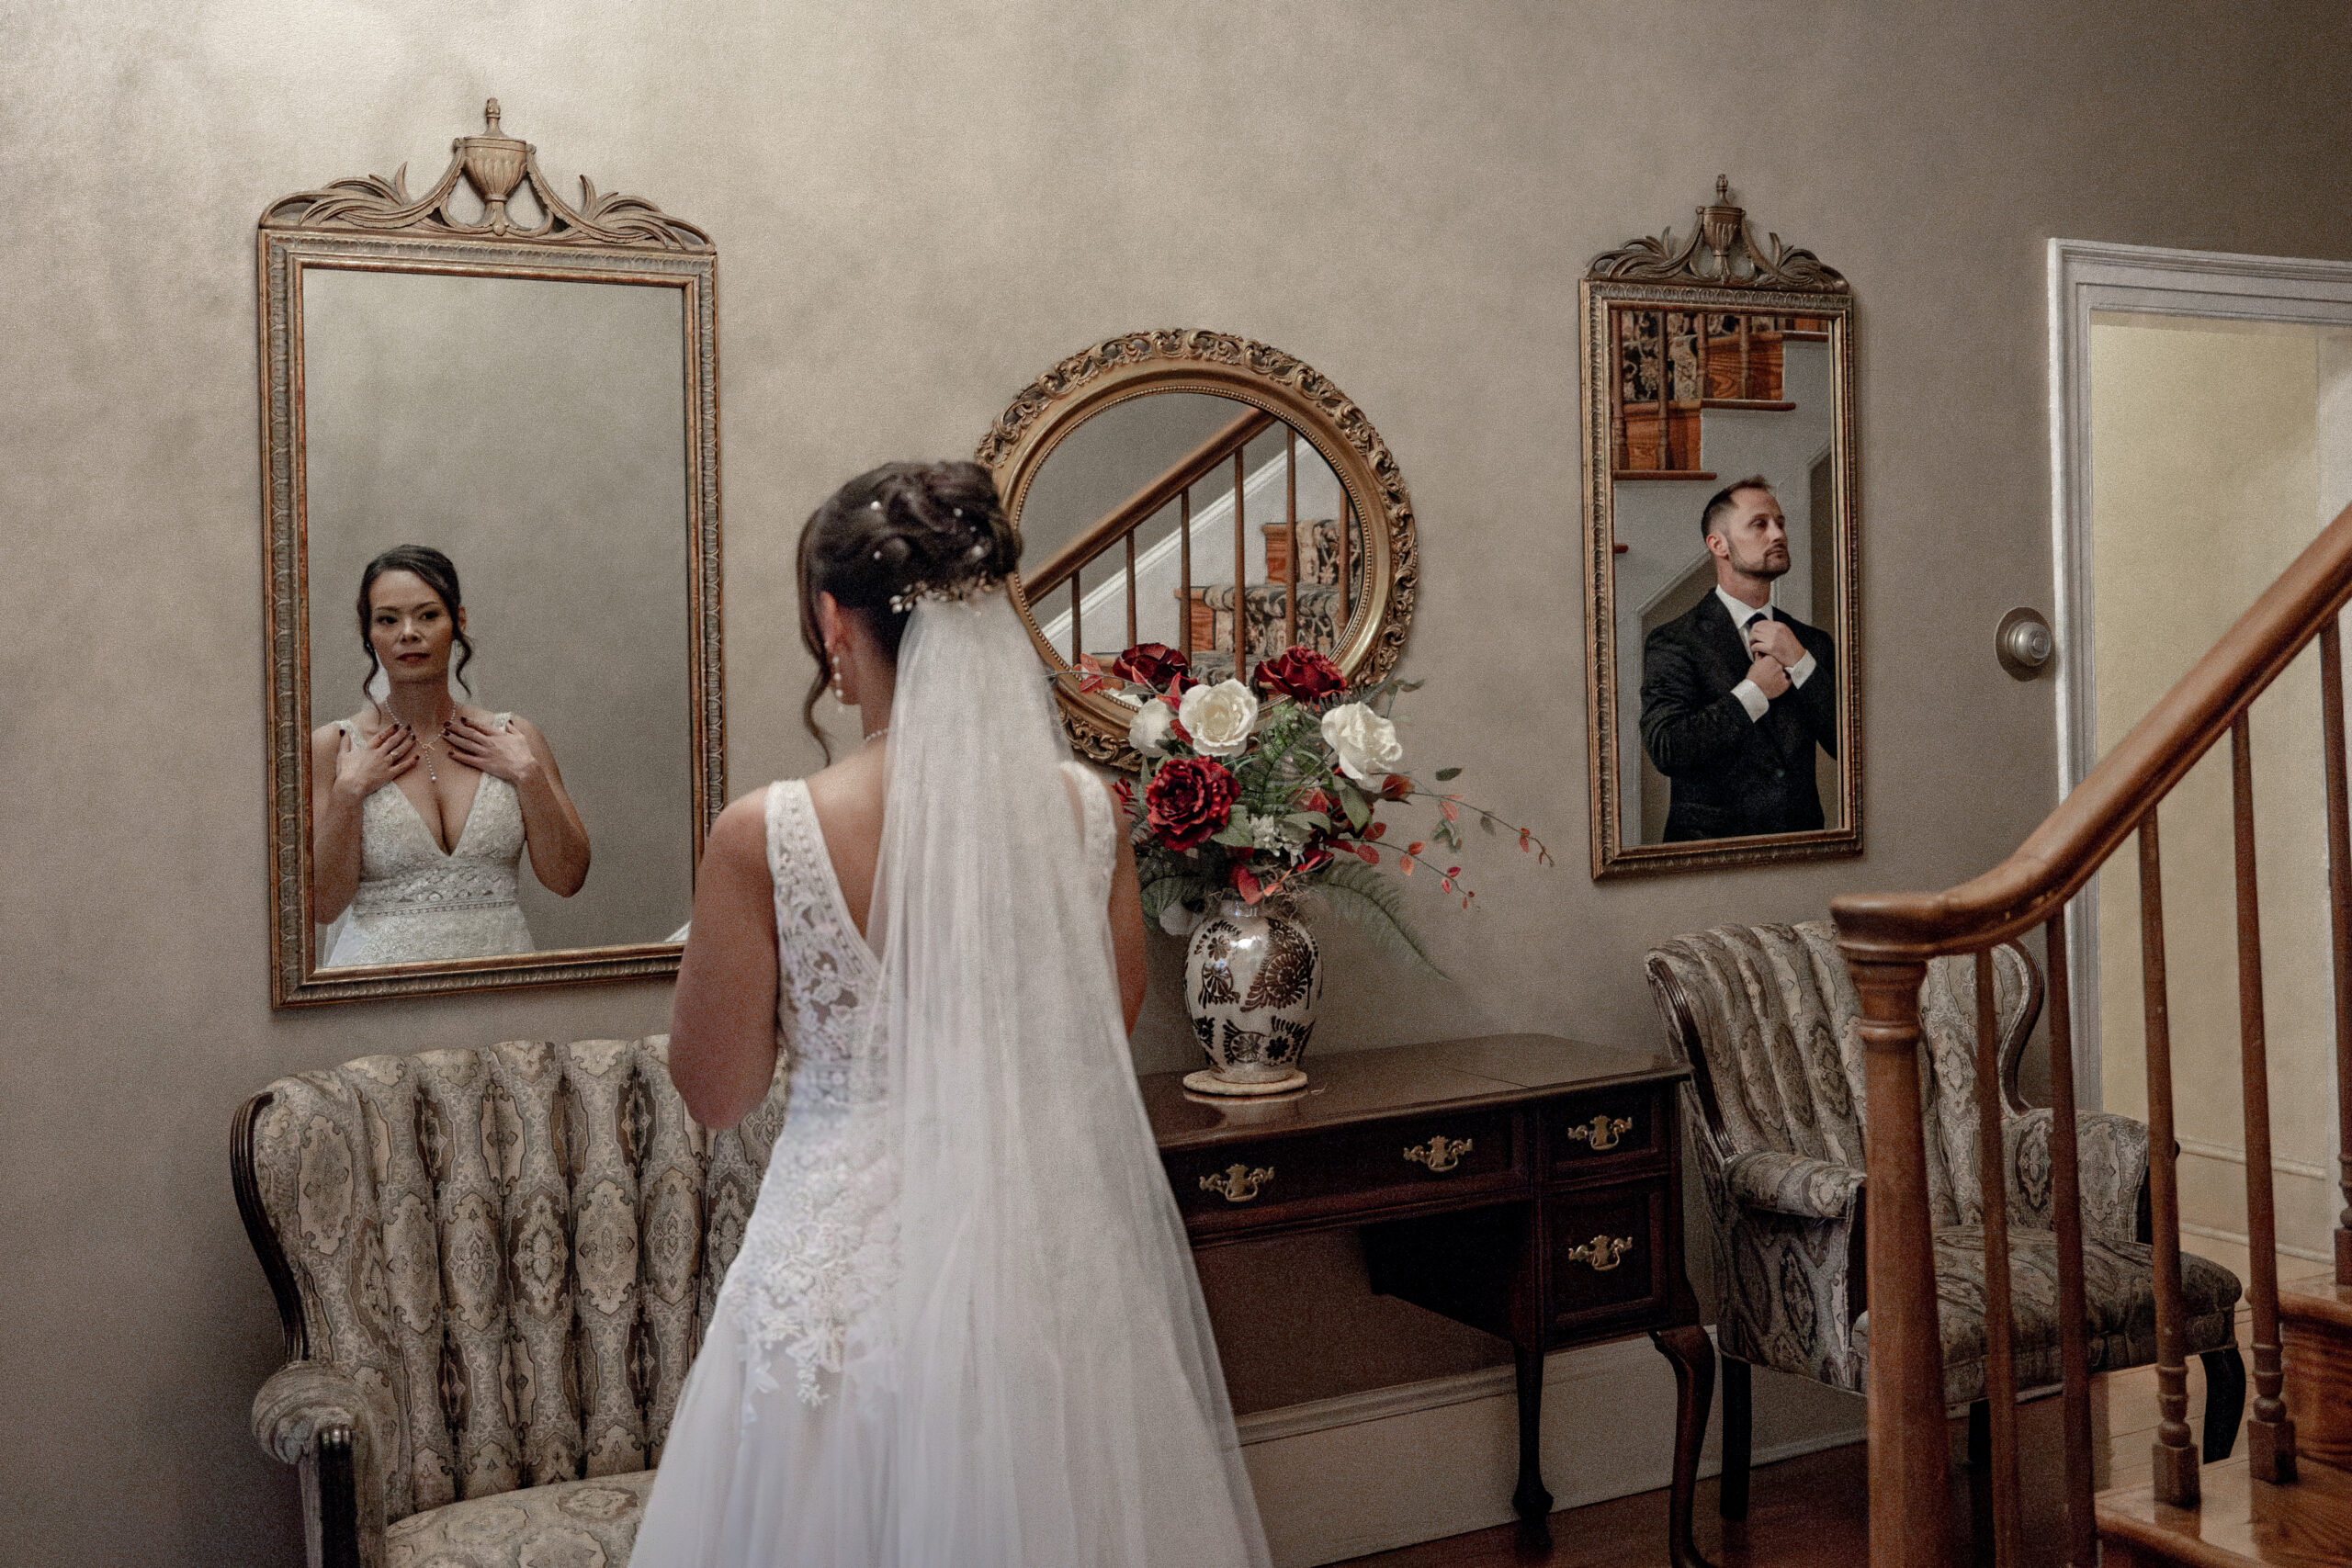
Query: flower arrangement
x=1267, y=788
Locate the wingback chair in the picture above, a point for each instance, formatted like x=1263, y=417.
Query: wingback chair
x=1767, y=1016
x=492, y=1267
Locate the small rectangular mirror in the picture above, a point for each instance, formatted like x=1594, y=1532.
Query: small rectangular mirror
x=1720, y=607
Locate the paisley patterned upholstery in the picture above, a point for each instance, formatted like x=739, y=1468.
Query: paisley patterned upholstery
x=1767, y=1015
x=503, y=1258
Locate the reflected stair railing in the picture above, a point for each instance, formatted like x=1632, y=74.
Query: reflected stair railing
x=1117, y=528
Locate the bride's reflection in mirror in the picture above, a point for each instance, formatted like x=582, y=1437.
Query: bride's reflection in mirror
x=423, y=805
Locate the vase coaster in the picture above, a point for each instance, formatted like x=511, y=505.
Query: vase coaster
x=1208, y=1082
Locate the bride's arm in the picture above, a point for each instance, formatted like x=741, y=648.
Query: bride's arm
x=1126, y=923
x=1127, y=935
x=722, y=1023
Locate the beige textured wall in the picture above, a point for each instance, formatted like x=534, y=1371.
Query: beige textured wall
x=2205, y=441
x=918, y=208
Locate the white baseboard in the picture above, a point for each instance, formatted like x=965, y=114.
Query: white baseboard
x=1338, y=1478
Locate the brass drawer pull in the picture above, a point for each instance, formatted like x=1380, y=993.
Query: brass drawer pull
x=1602, y=1252
x=1602, y=1132
x=1441, y=1153
x=1238, y=1183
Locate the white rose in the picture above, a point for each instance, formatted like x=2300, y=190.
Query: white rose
x=1366, y=743
x=1148, y=733
x=1219, y=717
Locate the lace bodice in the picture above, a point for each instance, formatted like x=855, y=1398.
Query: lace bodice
x=822, y=1245
x=415, y=901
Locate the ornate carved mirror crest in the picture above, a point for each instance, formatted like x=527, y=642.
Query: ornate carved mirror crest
x=1722, y=672
x=1205, y=492
x=491, y=500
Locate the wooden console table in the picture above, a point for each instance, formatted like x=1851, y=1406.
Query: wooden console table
x=1522, y=1184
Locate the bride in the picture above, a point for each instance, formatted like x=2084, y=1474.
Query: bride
x=421, y=806
x=964, y=1329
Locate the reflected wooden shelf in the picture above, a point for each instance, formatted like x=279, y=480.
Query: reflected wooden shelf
x=1661, y=473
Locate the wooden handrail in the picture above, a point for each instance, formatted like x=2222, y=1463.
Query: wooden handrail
x=2059, y=856
x=1132, y=512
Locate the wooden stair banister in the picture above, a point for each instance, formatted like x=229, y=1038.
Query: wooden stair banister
x=2061, y=855
x=1889, y=938
x=1138, y=509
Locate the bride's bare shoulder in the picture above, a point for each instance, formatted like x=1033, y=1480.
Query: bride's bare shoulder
x=852, y=787
x=738, y=835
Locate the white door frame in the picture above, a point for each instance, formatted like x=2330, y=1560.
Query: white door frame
x=2087, y=275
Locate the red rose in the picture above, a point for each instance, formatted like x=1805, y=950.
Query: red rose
x=1153, y=664
x=1301, y=672
x=1187, y=800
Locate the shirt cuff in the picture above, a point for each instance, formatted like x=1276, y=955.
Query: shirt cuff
x=1801, y=672
x=1751, y=697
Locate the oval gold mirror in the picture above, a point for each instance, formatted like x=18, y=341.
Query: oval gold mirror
x=1153, y=474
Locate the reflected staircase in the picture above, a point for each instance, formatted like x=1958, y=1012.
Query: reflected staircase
x=2287, y=1498
x=1312, y=567
x=1710, y=361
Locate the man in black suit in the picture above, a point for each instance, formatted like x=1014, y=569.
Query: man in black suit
x=1736, y=694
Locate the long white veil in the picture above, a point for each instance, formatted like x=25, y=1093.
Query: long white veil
x=1060, y=1397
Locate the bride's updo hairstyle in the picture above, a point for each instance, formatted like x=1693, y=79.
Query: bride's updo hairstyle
x=437, y=572
x=901, y=529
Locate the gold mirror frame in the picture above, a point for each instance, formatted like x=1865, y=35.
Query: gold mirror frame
x=1720, y=268
x=1138, y=365
x=371, y=223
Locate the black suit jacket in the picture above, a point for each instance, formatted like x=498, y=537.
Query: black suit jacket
x=1734, y=775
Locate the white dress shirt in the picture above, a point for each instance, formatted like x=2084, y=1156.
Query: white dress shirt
x=1751, y=696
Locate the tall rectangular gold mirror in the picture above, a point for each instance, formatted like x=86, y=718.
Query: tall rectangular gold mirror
x=1722, y=684
x=490, y=494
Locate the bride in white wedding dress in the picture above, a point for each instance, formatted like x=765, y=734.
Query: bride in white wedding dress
x=421, y=806
x=964, y=1329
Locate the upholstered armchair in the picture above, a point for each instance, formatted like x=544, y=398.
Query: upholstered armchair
x=1766, y=1016
x=492, y=1267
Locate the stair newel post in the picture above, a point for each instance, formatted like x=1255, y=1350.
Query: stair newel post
x=2174, y=1457
x=2000, y=1339
x=1131, y=588
x=1240, y=574
x=1910, y=1508
x=2339, y=912
x=1665, y=395
x=1184, y=571
x=1347, y=523
x=2270, y=1435
x=1621, y=440
x=1289, y=533
x=2066, y=1202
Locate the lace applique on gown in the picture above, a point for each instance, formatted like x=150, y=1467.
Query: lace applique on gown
x=781, y=1450
x=820, y=1248
x=415, y=901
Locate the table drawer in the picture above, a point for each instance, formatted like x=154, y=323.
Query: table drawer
x=1594, y=1131
x=1607, y=1251
x=1384, y=1164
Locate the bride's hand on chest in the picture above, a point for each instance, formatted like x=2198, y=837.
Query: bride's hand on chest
x=364, y=766
x=501, y=753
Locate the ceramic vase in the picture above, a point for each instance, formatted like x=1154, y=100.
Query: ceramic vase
x=1252, y=977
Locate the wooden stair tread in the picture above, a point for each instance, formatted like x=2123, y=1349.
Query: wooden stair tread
x=2241, y=1521
x=2317, y=1300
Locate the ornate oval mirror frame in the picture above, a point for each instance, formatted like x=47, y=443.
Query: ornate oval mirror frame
x=1050, y=409
x=372, y=224
x=1719, y=271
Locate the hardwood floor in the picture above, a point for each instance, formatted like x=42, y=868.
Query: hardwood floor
x=1807, y=1513
x=1814, y=1512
